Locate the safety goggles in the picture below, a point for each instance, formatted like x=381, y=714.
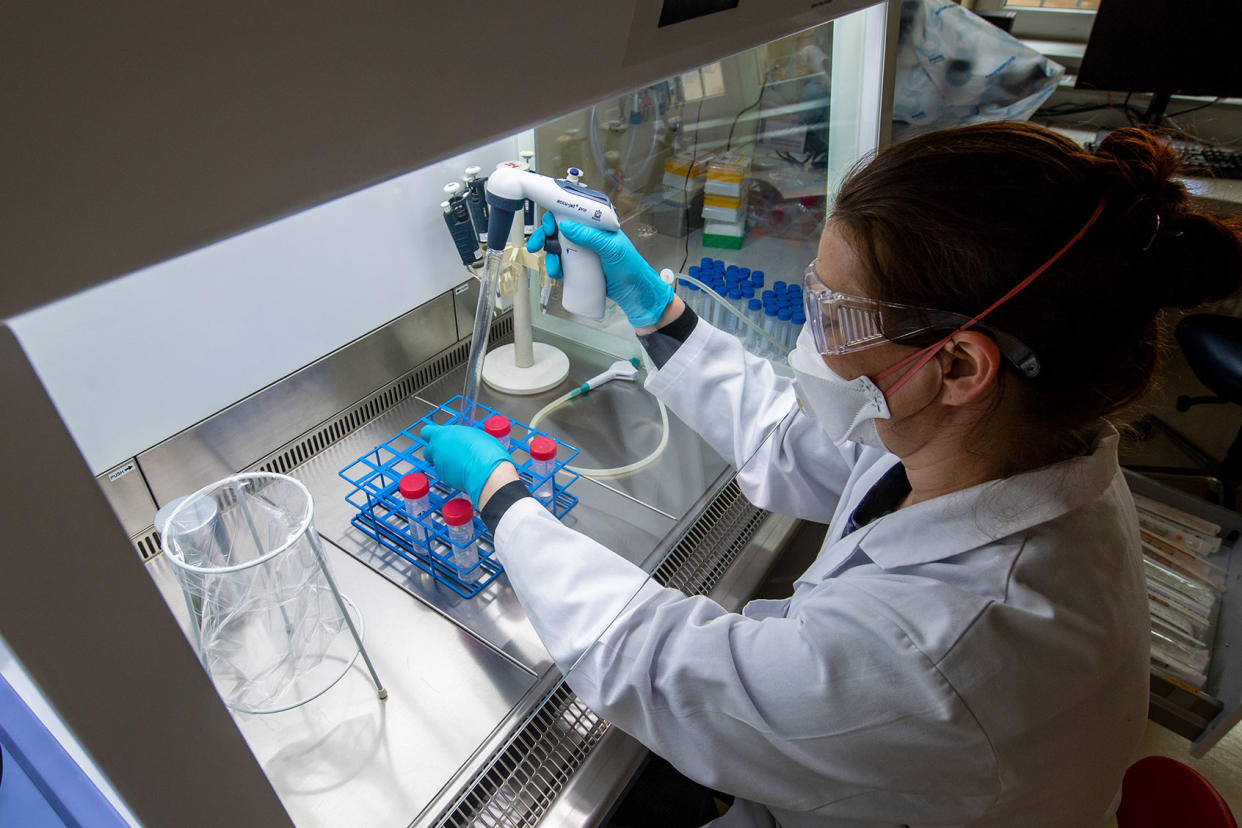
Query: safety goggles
x=841, y=323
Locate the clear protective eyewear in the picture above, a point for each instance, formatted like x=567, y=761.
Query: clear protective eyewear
x=841, y=323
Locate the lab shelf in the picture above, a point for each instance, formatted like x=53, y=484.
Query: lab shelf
x=423, y=540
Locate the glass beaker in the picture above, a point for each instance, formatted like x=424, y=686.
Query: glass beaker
x=267, y=621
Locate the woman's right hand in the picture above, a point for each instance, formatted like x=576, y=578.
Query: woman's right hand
x=632, y=283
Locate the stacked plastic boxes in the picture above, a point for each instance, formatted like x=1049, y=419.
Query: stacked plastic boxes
x=678, y=211
x=724, y=201
x=1186, y=574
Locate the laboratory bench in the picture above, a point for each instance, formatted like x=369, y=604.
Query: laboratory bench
x=478, y=726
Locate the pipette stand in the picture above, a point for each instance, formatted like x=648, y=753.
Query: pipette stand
x=526, y=366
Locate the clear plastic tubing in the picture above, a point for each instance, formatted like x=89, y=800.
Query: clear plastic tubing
x=482, y=327
x=499, y=427
x=458, y=516
x=543, y=465
x=414, y=488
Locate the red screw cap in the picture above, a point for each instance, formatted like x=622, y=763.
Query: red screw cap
x=542, y=448
x=497, y=426
x=414, y=485
x=457, y=512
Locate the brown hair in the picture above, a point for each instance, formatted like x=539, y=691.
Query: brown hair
x=952, y=220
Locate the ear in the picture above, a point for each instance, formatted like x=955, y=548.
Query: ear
x=971, y=360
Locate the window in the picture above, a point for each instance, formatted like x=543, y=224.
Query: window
x=1062, y=20
x=1086, y=5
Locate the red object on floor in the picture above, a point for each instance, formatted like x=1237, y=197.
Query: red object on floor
x=1159, y=792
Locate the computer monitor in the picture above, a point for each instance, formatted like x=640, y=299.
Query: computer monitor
x=1165, y=47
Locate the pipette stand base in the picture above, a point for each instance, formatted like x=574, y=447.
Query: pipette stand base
x=550, y=369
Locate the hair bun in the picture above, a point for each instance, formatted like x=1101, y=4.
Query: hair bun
x=1136, y=168
x=1197, y=257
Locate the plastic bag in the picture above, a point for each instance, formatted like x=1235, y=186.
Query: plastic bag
x=955, y=68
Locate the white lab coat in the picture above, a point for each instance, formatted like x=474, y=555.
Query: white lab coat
x=979, y=659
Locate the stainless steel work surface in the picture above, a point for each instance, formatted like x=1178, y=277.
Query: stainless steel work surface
x=494, y=615
x=614, y=425
x=347, y=758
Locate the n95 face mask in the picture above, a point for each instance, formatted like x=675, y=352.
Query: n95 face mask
x=845, y=409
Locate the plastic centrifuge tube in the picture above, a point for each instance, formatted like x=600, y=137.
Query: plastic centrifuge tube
x=543, y=467
x=754, y=312
x=414, y=488
x=733, y=325
x=499, y=427
x=784, y=315
x=458, y=516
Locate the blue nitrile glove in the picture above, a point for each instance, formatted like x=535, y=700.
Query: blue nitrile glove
x=632, y=283
x=464, y=457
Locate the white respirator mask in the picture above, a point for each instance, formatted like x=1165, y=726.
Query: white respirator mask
x=845, y=409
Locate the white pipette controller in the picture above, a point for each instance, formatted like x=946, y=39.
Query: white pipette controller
x=584, y=289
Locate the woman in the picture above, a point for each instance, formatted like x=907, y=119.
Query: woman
x=970, y=647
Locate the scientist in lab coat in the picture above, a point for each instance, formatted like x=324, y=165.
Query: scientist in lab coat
x=970, y=647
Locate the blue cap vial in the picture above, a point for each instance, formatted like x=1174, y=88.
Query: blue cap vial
x=798, y=318
x=755, y=305
x=784, y=314
x=779, y=287
x=748, y=292
x=735, y=295
x=705, y=261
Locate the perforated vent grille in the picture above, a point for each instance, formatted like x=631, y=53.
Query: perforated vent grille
x=295, y=454
x=148, y=545
x=711, y=546
x=517, y=789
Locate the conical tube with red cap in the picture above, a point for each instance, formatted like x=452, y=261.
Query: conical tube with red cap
x=458, y=516
x=414, y=488
x=543, y=465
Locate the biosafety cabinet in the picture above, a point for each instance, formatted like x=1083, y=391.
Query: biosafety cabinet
x=224, y=251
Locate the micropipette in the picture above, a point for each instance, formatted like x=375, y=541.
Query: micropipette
x=583, y=291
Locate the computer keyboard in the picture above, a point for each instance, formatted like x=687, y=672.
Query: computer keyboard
x=1211, y=162
x=1198, y=161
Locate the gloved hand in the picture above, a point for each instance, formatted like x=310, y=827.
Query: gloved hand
x=632, y=283
x=464, y=457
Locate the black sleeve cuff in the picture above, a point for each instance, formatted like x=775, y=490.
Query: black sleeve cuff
x=500, y=502
x=662, y=344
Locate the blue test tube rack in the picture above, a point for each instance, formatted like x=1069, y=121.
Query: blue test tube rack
x=381, y=510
